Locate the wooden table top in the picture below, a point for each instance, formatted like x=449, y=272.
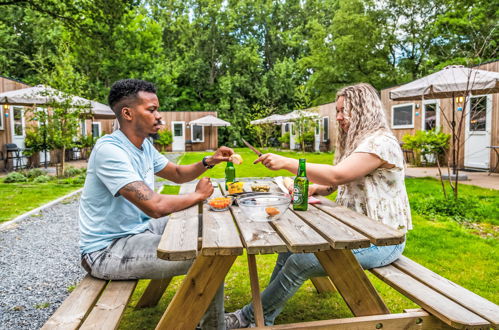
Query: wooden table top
x=324, y=226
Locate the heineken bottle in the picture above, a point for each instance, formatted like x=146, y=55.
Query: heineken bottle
x=300, y=188
x=230, y=174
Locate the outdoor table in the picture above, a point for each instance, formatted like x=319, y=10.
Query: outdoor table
x=215, y=239
x=496, y=150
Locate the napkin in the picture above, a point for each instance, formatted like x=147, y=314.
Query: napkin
x=280, y=183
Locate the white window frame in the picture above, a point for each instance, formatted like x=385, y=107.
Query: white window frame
x=437, y=114
x=2, y=118
x=192, y=134
x=413, y=105
x=325, y=131
x=83, y=127
x=98, y=123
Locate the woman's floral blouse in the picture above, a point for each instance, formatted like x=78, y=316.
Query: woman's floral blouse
x=380, y=195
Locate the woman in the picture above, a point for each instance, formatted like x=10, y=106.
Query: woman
x=369, y=176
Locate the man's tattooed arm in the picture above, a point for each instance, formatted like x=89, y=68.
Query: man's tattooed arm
x=139, y=190
x=325, y=190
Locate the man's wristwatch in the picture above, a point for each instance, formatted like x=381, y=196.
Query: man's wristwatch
x=205, y=164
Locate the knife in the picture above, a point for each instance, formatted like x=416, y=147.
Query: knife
x=252, y=148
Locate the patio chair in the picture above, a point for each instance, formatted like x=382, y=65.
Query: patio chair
x=14, y=153
x=188, y=145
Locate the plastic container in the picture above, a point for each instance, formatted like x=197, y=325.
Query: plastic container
x=219, y=204
x=261, y=207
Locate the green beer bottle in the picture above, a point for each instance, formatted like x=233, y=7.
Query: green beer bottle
x=300, y=188
x=230, y=174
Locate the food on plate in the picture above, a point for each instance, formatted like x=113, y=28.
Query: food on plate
x=220, y=203
x=260, y=187
x=236, y=159
x=272, y=211
x=288, y=183
x=235, y=187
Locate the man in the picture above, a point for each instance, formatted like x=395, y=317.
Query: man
x=118, y=237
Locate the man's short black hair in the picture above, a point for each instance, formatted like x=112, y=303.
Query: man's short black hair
x=124, y=91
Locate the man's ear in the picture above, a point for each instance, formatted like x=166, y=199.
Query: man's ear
x=126, y=113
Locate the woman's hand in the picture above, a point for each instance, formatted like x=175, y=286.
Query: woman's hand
x=274, y=162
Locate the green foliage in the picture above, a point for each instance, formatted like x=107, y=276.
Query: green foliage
x=165, y=138
x=427, y=143
x=13, y=177
x=87, y=141
x=285, y=138
x=458, y=209
x=41, y=179
x=33, y=142
x=35, y=172
x=307, y=138
x=72, y=171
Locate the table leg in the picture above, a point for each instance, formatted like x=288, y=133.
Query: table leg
x=255, y=291
x=323, y=284
x=497, y=162
x=153, y=293
x=197, y=291
x=351, y=282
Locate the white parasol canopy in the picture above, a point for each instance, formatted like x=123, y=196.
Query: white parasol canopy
x=451, y=80
x=209, y=121
x=294, y=115
x=272, y=119
x=41, y=94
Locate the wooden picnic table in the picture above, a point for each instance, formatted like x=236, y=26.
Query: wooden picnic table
x=215, y=239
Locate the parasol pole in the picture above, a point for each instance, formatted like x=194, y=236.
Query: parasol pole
x=453, y=124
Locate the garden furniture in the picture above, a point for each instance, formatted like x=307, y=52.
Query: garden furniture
x=14, y=153
x=215, y=239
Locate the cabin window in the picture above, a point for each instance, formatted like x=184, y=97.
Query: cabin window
x=478, y=114
x=96, y=130
x=403, y=116
x=197, y=133
x=1, y=117
x=325, y=128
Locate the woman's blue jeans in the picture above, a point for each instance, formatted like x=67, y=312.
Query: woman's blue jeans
x=291, y=270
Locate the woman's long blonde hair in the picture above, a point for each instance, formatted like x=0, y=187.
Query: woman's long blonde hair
x=364, y=111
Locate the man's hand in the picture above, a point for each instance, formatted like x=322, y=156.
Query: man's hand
x=222, y=154
x=204, y=188
x=275, y=162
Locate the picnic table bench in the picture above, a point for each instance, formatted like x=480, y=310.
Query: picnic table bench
x=215, y=239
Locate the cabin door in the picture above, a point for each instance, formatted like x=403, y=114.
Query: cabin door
x=430, y=119
x=317, y=137
x=478, y=132
x=178, y=129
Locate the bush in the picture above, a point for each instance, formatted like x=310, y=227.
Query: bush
x=165, y=138
x=72, y=171
x=41, y=179
x=307, y=137
x=13, y=177
x=458, y=209
x=427, y=143
x=285, y=138
x=35, y=172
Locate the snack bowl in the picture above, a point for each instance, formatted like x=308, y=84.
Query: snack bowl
x=260, y=187
x=261, y=206
x=219, y=204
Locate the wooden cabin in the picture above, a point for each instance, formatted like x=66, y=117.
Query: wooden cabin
x=325, y=129
x=14, y=120
x=188, y=137
x=407, y=117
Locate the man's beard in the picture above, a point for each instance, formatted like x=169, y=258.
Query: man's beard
x=154, y=136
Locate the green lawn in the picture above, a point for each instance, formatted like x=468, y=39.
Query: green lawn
x=19, y=198
x=451, y=249
x=248, y=169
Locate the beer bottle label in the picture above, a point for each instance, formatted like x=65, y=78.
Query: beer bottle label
x=297, y=196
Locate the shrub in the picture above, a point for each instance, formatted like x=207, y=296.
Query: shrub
x=35, y=172
x=72, y=171
x=285, y=138
x=427, y=143
x=165, y=138
x=41, y=179
x=458, y=209
x=307, y=137
x=15, y=177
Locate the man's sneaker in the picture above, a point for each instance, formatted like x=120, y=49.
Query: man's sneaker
x=235, y=320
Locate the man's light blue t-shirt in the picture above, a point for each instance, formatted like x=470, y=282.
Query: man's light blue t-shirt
x=104, y=214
